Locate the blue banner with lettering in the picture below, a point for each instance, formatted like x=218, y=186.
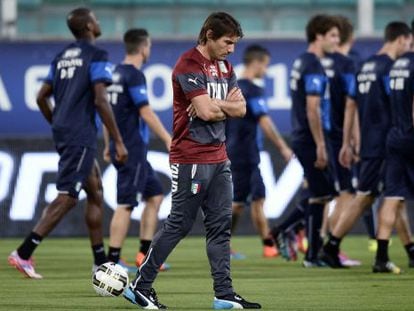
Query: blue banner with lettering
x=23, y=65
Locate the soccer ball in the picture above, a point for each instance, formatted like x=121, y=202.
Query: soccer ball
x=110, y=279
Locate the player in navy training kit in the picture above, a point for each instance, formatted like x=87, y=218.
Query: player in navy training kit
x=308, y=85
x=399, y=164
x=205, y=94
x=374, y=115
x=244, y=142
x=77, y=79
x=136, y=178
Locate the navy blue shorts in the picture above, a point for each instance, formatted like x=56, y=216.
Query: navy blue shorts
x=75, y=165
x=321, y=183
x=342, y=175
x=371, y=176
x=399, y=175
x=247, y=184
x=136, y=180
x=153, y=185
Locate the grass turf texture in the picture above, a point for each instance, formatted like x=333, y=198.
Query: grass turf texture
x=275, y=283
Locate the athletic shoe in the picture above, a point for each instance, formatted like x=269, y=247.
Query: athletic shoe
x=314, y=264
x=236, y=255
x=348, y=262
x=233, y=301
x=24, y=266
x=127, y=267
x=301, y=241
x=372, y=245
x=270, y=251
x=286, y=246
x=385, y=267
x=331, y=260
x=145, y=298
x=139, y=259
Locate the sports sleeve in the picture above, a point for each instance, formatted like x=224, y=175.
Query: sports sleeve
x=233, y=79
x=51, y=73
x=314, y=79
x=100, y=69
x=256, y=102
x=137, y=88
x=348, y=77
x=191, y=79
x=386, y=84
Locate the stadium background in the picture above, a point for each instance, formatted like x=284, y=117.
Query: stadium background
x=34, y=31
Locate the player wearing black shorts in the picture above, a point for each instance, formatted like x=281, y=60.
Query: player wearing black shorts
x=77, y=79
x=399, y=161
x=374, y=118
x=136, y=178
x=310, y=95
x=244, y=143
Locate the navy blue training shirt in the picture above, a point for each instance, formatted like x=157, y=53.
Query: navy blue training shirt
x=307, y=78
x=373, y=104
x=72, y=75
x=341, y=71
x=401, y=101
x=243, y=135
x=128, y=94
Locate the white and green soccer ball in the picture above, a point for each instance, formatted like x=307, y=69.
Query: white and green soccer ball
x=110, y=279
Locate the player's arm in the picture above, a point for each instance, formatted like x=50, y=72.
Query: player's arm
x=313, y=113
x=206, y=109
x=272, y=133
x=106, y=153
x=108, y=119
x=346, y=153
x=43, y=101
x=356, y=137
x=149, y=116
x=235, y=105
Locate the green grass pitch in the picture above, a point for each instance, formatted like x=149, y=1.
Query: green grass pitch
x=275, y=283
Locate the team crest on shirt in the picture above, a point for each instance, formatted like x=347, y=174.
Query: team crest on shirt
x=213, y=71
x=72, y=53
x=116, y=77
x=195, y=187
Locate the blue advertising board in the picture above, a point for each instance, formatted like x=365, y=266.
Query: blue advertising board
x=23, y=65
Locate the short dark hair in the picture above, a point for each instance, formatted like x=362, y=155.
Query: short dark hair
x=77, y=21
x=320, y=25
x=395, y=29
x=254, y=52
x=412, y=26
x=346, y=29
x=134, y=38
x=221, y=24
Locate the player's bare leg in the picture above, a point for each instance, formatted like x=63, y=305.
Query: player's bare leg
x=387, y=217
x=53, y=213
x=351, y=214
x=94, y=213
x=120, y=222
x=325, y=221
x=148, y=227
x=259, y=218
x=237, y=211
x=149, y=217
x=94, y=207
x=343, y=201
x=262, y=227
x=402, y=225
